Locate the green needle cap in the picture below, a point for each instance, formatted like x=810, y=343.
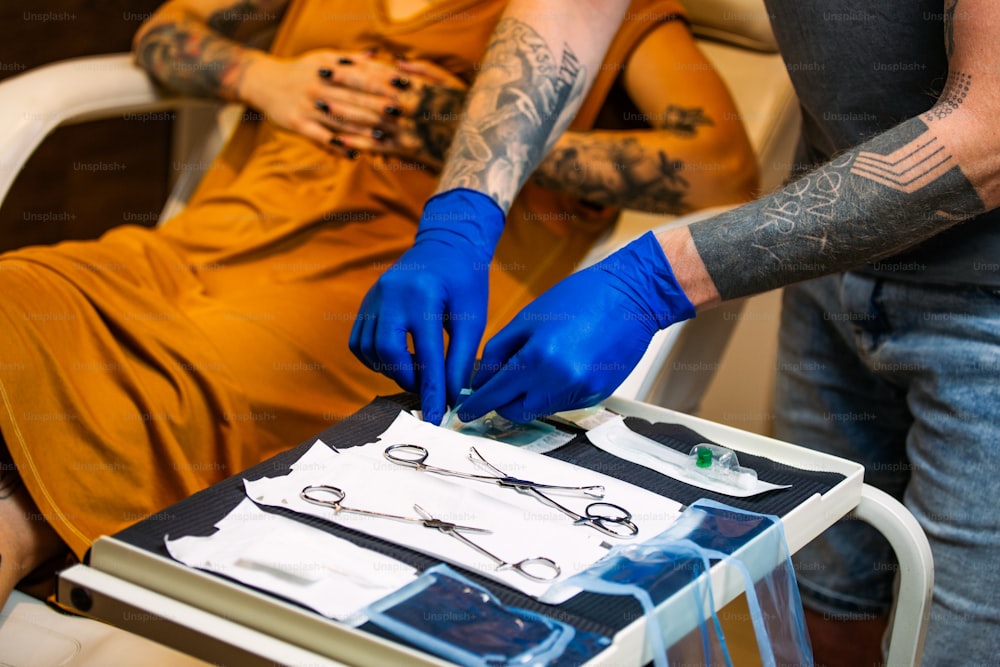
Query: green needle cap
x=704, y=459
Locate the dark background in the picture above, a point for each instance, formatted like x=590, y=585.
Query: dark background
x=83, y=203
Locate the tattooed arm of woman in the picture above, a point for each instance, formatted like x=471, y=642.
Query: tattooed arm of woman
x=203, y=48
x=539, y=64
x=695, y=152
x=213, y=48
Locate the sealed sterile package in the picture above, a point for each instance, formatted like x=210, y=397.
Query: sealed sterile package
x=448, y=615
x=772, y=592
x=708, y=466
x=666, y=566
x=535, y=436
x=675, y=563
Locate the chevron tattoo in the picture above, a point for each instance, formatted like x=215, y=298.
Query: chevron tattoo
x=908, y=169
x=877, y=200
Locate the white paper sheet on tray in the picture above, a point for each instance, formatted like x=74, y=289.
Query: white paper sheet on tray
x=522, y=527
x=277, y=554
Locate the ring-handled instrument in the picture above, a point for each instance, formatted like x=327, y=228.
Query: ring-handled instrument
x=415, y=456
x=608, y=518
x=539, y=568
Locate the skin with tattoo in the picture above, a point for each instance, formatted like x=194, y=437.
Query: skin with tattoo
x=199, y=55
x=607, y=168
x=436, y=118
x=519, y=94
x=900, y=188
x=907, y=179
x=652, y=170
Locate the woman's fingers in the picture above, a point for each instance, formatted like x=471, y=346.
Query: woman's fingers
x=348, y=106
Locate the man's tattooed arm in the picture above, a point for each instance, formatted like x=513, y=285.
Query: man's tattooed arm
x=205, y=55
x=898, y=189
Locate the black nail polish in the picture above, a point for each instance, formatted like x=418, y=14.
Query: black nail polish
x=400, y=82
x=322, y=106
x=336, y=141
x=353, y=153
x=344, y=60
x=325, y=73
x=377, y=134
x=392, y=111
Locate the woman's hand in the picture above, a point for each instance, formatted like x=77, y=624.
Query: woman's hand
x=355, y=102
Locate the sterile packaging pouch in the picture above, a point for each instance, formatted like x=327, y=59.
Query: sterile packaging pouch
x=448, y=615
x=676, y=562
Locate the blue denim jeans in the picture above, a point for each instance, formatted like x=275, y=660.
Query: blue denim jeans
x=904, y=378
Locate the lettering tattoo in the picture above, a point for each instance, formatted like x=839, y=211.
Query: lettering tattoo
x=513, y=112
x=205, y=60
x=436, y=119
x=889, y=194
x=615, y=171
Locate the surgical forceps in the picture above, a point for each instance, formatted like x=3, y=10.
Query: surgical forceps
x=539, y=568
x=608, y=518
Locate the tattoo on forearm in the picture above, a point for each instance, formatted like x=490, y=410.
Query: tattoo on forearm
x=907, y=169
x=898, y=189
x=436, y=118
x=191, y=61
x=952, y=97
x=615, y=171
x=203, y=60
x=684, y=121
x=522, y=101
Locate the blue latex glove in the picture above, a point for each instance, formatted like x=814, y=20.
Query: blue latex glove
x=440, y=284
x=573, y=345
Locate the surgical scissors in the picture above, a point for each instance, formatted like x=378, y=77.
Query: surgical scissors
x=608, y=518
x=538, y=568
x=415, y=456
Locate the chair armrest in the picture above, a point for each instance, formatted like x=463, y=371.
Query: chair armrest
x=34, y=103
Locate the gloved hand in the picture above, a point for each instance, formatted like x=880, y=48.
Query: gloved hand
x=440, y=284
x=573, y=345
